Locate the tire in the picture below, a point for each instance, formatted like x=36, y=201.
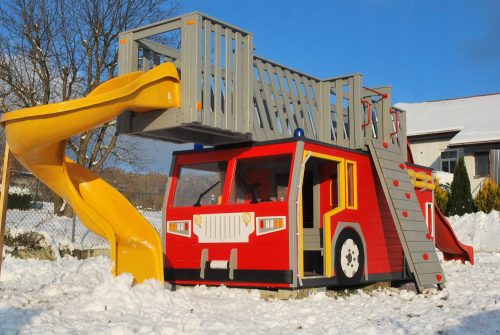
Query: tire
x=349, y=257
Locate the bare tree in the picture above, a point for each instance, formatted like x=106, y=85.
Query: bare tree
x=56, y=50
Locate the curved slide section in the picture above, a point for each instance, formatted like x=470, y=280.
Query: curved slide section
x=448, y=243
x=37, y=138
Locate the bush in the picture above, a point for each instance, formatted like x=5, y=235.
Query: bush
x=460, y=201
x=19, y=201
x=488, y=197
x=441, y=197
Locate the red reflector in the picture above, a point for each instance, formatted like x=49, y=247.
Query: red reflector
x=261, y=223
x=425, y=256
x=396, y=183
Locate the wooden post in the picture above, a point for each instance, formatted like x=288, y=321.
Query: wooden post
x=3, y=198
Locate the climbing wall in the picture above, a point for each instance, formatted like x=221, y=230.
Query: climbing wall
x=417, y=243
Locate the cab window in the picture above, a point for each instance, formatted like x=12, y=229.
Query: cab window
x=200, y=184
x=261, y=179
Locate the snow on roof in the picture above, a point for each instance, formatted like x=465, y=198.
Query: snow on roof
x=476, y=119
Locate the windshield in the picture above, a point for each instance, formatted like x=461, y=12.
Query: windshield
x=261, y=179
x=200, y=184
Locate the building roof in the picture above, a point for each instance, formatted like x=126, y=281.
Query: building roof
x=475, y=119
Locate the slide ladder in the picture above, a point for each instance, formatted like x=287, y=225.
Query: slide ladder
x=418, y=247
x=37, y=138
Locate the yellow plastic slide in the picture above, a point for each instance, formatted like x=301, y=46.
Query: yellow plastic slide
x=37, y=138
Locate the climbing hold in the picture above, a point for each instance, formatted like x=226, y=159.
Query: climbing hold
x=407, y=195
x=386, y=145
x=405, y=214
x=425, y=256
x=395, y=183
x=402, y=166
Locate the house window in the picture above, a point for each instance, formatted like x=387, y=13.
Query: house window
x=482, y=163
x=449, y=160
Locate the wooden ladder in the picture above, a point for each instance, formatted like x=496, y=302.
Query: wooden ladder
x=418, y=247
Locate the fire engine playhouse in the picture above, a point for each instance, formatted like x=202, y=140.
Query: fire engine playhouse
x=303, y=182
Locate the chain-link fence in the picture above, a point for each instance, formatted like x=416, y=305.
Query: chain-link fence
x=64, y=232
x=478, y=229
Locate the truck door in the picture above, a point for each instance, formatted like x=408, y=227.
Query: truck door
x=320, y=193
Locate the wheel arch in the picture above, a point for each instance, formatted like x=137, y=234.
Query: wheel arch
x=357, y=228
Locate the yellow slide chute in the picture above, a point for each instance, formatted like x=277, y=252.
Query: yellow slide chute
x=37, y=138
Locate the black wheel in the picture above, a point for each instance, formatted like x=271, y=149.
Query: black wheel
x=349, y=257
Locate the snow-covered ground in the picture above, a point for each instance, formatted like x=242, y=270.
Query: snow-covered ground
x=70, y=296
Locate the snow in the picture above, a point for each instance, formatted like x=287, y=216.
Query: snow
x=445, y=178
x=475, y=118
x=72, y=296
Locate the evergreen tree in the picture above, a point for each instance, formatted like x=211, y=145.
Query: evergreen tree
x=460, y=201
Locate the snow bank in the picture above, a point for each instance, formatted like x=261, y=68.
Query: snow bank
x=70, y=296
x=480, y=230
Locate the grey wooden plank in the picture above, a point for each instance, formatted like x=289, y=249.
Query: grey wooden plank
x=296, y=108
x=266, y=134
x=417, y=257
x=217, y=120
x=408, y=204
x=311, y=107
x=416, y=236
x=426, y=268
x=286, y=97
x=228, y=96
x=394, y=148
x=391, y=156
x=409, y=225
x=238, y=110
x=271, y=108
x=340, y=113
x=421, y=246
x=430, y=278
x=207, y=74
x=302, y=112
x=277, y=95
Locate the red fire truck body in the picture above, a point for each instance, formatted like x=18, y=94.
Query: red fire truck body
x=284, y=214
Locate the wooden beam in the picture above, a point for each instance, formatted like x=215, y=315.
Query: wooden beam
x=3, y=198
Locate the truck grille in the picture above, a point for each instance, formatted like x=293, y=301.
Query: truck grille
x=222, y=228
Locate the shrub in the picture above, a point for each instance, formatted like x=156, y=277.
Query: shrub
x=460, y=201
x=441, y=197
x=19, y=201
x=488, y=197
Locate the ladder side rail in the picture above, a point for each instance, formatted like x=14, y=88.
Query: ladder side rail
x=247, y=84
x=356, y=110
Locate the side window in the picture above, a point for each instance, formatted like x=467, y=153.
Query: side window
x=200, y=184
x=351, y=185
x=482, y=163
x=261, y=179
x=449, y=160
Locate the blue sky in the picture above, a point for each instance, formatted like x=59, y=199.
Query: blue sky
x=424, y=49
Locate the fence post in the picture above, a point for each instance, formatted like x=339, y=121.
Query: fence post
x=73, y=228
x=3, y=198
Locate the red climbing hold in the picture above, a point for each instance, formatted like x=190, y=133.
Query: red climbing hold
x=428, y=236
x=439, y=277
x=386, y=145
x=407, y=195
x=425, y=256
x=396, y=183
x=405, y=214
x=402, y=166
